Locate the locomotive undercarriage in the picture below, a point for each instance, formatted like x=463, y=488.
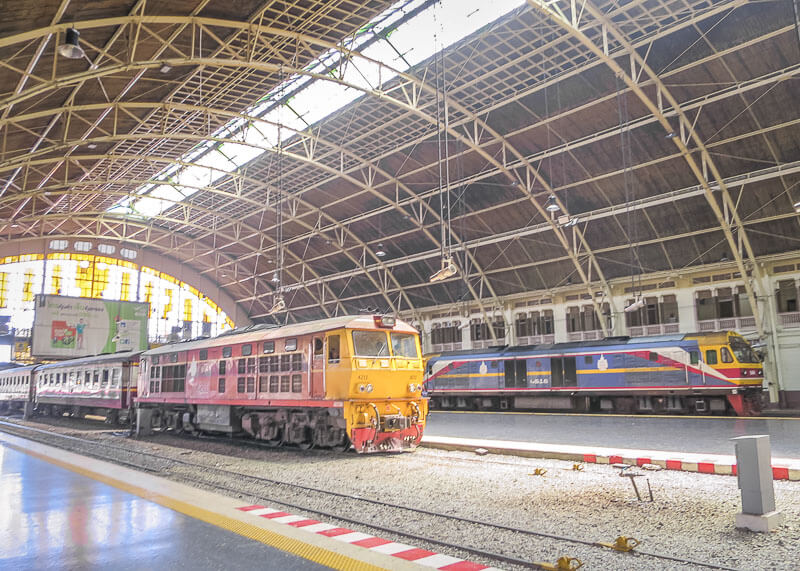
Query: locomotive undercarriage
x=302, y=427
x=745, y=403
x=111, y=415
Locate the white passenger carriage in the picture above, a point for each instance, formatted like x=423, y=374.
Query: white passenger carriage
x=103, y=385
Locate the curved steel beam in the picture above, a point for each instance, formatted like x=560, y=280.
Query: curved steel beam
x=572, y=25
x=412, y=89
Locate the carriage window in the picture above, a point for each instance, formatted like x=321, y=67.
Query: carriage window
x=116, y=375
x=273, y=383
x=173, y=358
x=155, y=359
x=251, y=366
x=74, y=378
x=297, y=383
x=221, y=385
x=263, y=364
x=284, y=384
x=227, y=351
x=318, y=347
x=404, y=345
x=291, y=344
x=370, y=344
x=96, y=379
x=241, y=366
x=711, y=356
x=240, y=385
x=694, y=357
x=105, y=378
x=333, y=348
x=251, y=384
x=269, y=346
x=247, y=350
x=263, y=384
x=50, y=378
x=222, y=367
x=297, y=362
x=87, y=377
x=203, y=354
x=725, y=355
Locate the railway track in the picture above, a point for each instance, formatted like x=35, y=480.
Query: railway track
x=488, y=542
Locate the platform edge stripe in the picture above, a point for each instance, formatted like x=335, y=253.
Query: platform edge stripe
x=779, y=473
x=392, y=547
x=251, y=508
x=354, y=536
x=438, y=561
x=413, y=554
x=467, y=566
x=288, y=544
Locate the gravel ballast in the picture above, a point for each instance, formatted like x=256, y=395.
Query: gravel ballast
x=691, y=516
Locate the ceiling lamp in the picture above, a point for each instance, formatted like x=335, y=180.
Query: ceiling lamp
x=279, y=305
x=380, y=252
x=552, y=205
x=70, y=48
x=275, y=278
x=449, y=269
x=671, y=135
x=638, y=304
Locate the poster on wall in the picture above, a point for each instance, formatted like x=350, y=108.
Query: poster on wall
x=67, y=327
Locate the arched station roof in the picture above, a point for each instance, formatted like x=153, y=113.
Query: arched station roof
x=666, y=131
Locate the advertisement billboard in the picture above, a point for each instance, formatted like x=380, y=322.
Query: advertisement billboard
x=67, y=327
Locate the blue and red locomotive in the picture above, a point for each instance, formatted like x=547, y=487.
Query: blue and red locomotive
x=695, y=373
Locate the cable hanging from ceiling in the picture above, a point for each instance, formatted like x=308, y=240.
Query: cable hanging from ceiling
x=635, y=263
x=448, y=266
x=279, y=303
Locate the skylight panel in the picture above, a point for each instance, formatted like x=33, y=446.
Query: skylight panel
x=311, y=100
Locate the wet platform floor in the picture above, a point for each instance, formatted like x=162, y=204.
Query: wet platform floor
x=52, y=518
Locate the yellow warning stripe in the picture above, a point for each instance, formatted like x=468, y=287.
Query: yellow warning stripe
x=271, y=538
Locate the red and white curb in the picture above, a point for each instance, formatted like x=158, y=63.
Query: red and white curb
x=400, y=550
x=782, y=468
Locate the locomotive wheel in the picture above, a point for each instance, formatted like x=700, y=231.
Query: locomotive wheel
x=343, y=446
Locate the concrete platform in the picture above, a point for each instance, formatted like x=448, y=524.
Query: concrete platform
x=782, y=468
x=59, y=510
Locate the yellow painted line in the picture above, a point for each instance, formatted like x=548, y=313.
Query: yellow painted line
x=271, y=538
x=676, y=417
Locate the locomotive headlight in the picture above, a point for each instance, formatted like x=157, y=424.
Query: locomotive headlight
x=361, y=388
x=412, y=387
x=368, y=388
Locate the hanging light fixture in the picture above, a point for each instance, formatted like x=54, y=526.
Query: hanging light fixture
x=71, y=48
x=638, y=304
x=552, y=205
x=380, y=252
x=449, y=269
x=278, y=305
x=275, y=278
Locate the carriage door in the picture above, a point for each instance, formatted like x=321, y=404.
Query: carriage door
x=317, y=368
x=563, y=372
x=516, y=372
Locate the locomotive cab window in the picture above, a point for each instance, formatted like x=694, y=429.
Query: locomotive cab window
x=725, y=355
x=318, y=347
x=404, y=345
x=370, y=344
x=333, y=349
x=711, y=356
x=694, y=357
